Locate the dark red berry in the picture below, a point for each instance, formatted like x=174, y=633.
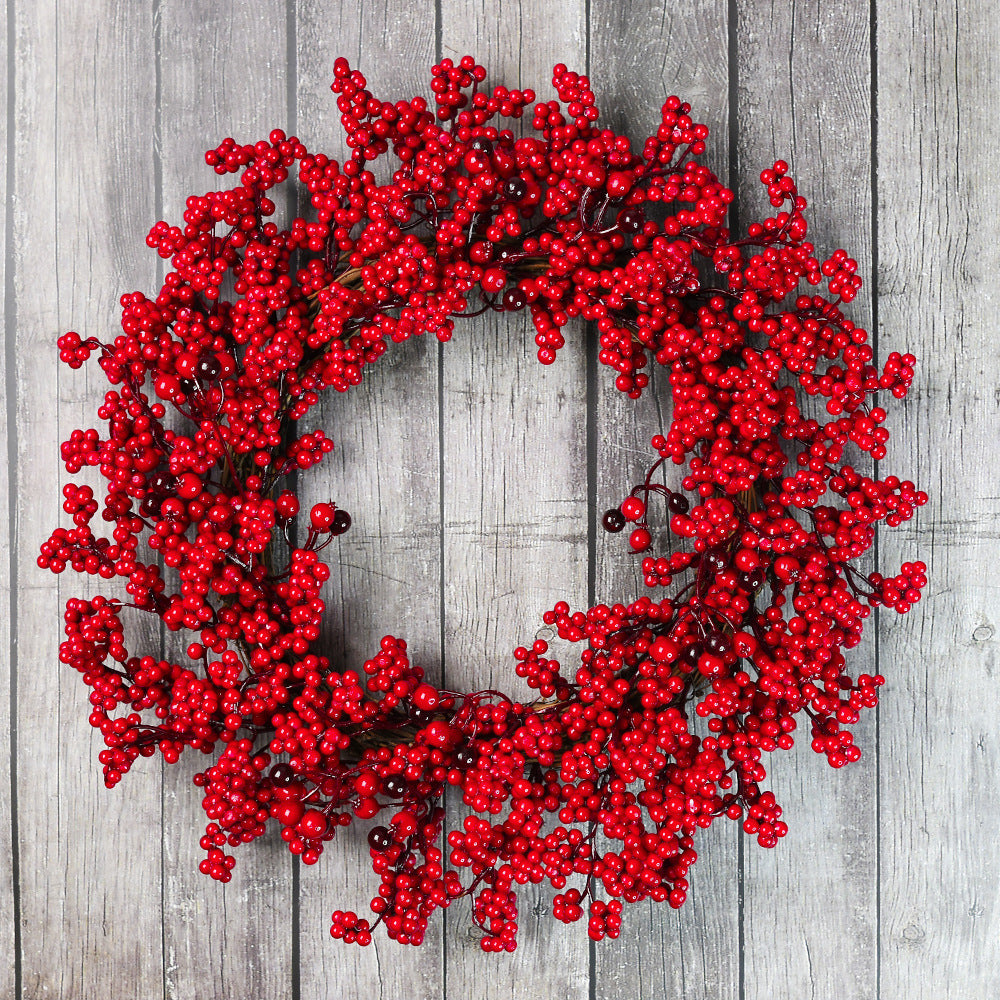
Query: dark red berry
x=613, y=520
x=379, y=838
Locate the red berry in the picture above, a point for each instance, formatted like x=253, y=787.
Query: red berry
x=425, y=698
x=188, y=486
x=633, y=509
x=312, y=824
x=640, y=540
x=493, y=280
x=288, y=813
x=287, y=505
x=321, y=516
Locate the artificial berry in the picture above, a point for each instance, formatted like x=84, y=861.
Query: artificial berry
x=614, y=520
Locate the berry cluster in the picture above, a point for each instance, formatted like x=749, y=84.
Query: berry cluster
x=600, y=785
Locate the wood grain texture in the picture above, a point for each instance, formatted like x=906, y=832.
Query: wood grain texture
x=9, y=900
x=641, y=52
x=37, y=502
x=938, y=134
x=804, y=95
x=82, y=207
x=385, y=571
x=223, y=72
x=515, y=495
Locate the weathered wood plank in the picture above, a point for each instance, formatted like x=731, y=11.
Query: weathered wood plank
x=515, y=494
x=9, y=901
x=805, y=96
x=386, y=571
x=641, y=52
x=514, y=509
x=224, y=72
x=83, y=136
x=938, y=134
x=37, y=428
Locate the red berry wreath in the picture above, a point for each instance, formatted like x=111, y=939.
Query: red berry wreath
x=599, y=786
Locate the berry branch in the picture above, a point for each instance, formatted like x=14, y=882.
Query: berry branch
x=758, y=541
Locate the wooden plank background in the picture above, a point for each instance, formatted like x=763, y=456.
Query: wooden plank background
x=475, y=478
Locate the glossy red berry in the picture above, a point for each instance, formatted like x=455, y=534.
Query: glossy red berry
x=633, y=509
x=494, y=280
x=640, y=540
x=322, y=516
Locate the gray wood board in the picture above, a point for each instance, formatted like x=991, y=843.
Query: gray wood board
x=939, y=932
x=9, y=902
x=222, y=72
x=641, y=54
x=820, y=123
x=514, y=488
x=386, y=571
x=82, y=141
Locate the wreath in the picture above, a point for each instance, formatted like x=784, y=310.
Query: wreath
x=600, y=784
